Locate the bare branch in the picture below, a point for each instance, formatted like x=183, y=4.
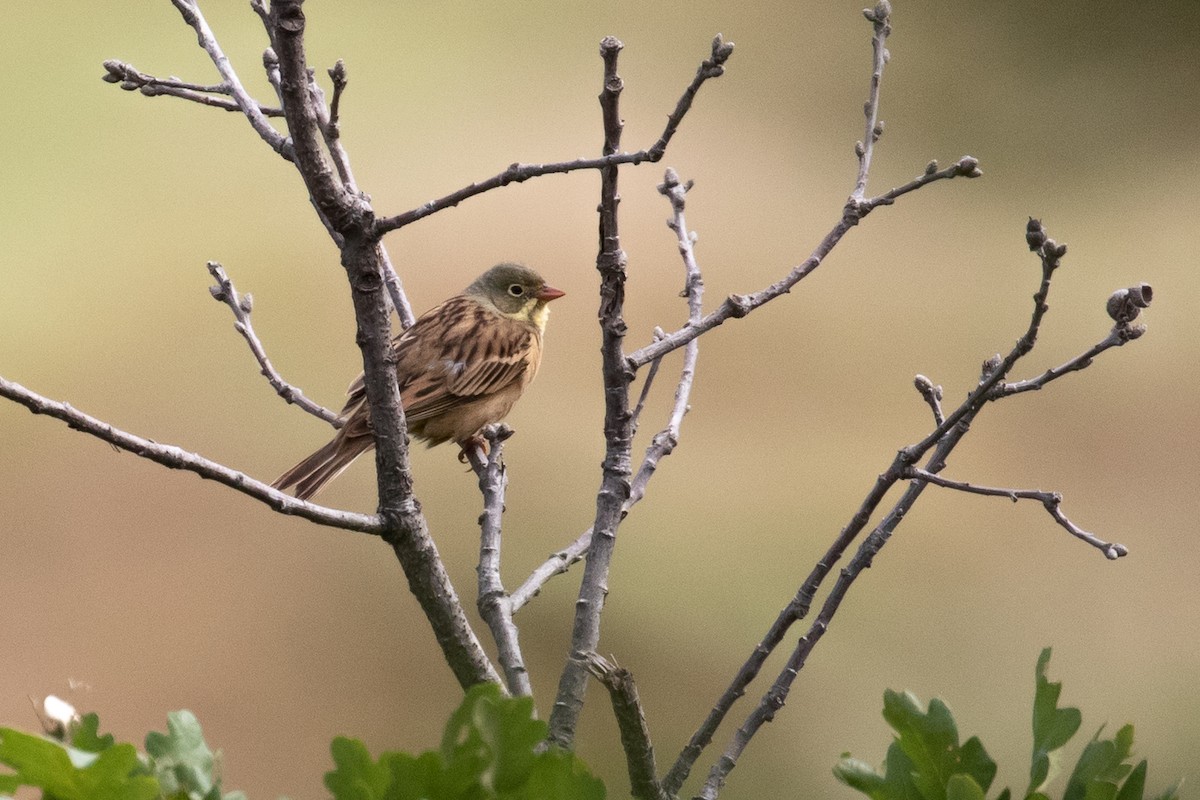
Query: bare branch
x=241, y=306
x=327, y=121
x=631, y=721
x=350, y=217
x=618, y=430
x=880, y=17
x=712, y=67
x=932, y=395
x=133, y=80
x=647, y=384
x=1052, y=501
x=557, y=564
x=494, y=604
x=941, y=441
x=190, y=10
x=664, y=441
x=178, y=458
x=737, y=306
x=1123, y=306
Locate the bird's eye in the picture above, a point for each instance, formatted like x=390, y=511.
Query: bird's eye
x=516, y=290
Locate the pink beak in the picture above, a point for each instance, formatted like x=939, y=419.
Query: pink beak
x=548, y=293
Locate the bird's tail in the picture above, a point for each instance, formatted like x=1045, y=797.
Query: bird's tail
x=311, y=474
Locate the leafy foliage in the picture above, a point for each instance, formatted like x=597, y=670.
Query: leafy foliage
x=177, y=765
x=926, y=762
x=489, y=750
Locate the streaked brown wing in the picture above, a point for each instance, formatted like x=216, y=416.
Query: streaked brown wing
x=466, y=351
x=455, y=352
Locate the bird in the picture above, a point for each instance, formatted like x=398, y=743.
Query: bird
x=461, y=366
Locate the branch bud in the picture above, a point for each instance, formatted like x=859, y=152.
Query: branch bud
x=990, y=366
x=1124, y=305
x=1035, y=234
x=968, y=167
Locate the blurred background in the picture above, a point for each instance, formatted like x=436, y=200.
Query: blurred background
x=160, y=591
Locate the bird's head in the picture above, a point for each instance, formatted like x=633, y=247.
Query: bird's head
x=515, y=291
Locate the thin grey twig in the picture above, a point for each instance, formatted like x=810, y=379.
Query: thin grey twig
x=133, y=80
x=190, y=11
x=664, y=441
x=337, y=74
x=1123, y=331
x=557, y=564
x=932, y=395
x=1052, y=502
x=737, y=306
x=712, y=67
x=178, y=458
x=241, y=306
x=880, y=18
x=264, y=15
x=329, y=125
x=618, y=432
x=493, y=602
x=941, y=441
x=395, y=290
x=647, y=384
x=631, y=721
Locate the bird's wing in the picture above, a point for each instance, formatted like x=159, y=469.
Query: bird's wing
x=455, y=352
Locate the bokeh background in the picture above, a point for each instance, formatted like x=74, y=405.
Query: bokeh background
x=160, y=591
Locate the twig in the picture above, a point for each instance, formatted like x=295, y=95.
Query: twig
x=618, y=431
x=241, y=306
x=133, y=80
x=664, y=441
x=557, y=564
x=932, y=395
x=327, y=119
x=647, y=384
x=338, y=75
x=941, y=441
x=190, y=11
x=712, y=67
x=1123, y=306
x=350, y=216
x=880, y=18
x=1052, y=502
x=737, y=306
x=178, y=458
x=493, y=602
x=631, y=721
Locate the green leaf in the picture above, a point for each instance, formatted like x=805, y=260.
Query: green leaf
x=930, y=740
x=182, y=760
x=1101, y=767
x=1052, y=727
x=1135, y=784
x=557, y=773
x=86, y=735
x=355, y=776
x=489, y=750
x=895, y=784
x=925, y=761
x=963, y=787
x=47, y=765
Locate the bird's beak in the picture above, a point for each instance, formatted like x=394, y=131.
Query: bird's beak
x=548, y=293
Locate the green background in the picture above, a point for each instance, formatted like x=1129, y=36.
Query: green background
x=160, y=591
